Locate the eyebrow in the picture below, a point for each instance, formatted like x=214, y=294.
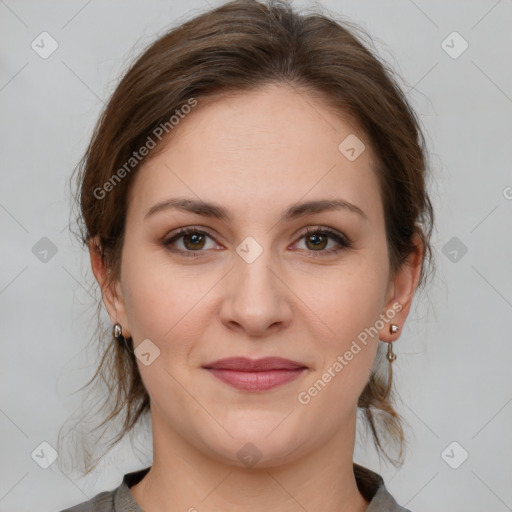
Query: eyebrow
x=216, y=211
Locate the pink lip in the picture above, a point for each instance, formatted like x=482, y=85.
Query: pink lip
x=255, y=375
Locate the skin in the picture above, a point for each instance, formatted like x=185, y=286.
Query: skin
x=255, y=153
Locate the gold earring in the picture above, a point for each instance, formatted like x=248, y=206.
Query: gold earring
x=391, y=356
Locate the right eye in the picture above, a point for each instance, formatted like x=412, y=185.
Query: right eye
x=193, y=241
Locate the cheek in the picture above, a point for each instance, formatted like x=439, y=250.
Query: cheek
x=357, y=308
x=349, y=306
x=351, y=299
x=162, y=301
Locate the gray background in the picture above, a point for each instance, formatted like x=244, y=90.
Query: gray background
x=454, y=355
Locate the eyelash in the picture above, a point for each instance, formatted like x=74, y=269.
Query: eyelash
x=344, y=241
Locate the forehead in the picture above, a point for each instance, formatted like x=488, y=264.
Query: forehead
x=259, y=151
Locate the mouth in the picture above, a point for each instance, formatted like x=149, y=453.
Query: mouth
x=255, y=375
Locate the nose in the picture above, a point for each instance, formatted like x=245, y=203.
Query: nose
x=256, y=299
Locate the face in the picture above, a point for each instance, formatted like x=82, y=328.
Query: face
x=255, y=283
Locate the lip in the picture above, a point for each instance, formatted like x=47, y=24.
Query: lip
x=244, y=364
x=255, y=374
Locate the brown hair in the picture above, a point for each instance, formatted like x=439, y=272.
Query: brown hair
x=236, y=47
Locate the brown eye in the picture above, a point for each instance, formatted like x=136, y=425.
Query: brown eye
x=193, y=241
x=317, y=240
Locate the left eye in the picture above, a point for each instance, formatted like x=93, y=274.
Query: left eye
x=319, y=239
x=194, y=241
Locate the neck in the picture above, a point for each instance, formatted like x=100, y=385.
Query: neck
x=184, y=478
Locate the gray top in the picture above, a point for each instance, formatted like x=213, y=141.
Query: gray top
x=370, y=484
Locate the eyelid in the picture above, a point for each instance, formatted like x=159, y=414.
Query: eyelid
x=181, y=232
x=325, y=229
x=339, y=237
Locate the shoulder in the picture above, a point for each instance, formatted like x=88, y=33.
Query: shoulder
x=102, y=502
x=383, y=501
x=116, y=500
x=372, y=487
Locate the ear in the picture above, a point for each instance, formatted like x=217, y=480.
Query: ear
x=111, y=293
x=401, y=291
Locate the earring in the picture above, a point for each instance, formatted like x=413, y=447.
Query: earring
x=393, y=328
x=117, y=332
x=391, y=356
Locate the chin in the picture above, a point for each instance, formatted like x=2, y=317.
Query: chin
x=259, y=446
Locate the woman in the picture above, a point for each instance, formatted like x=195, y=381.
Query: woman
x=255, y=207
